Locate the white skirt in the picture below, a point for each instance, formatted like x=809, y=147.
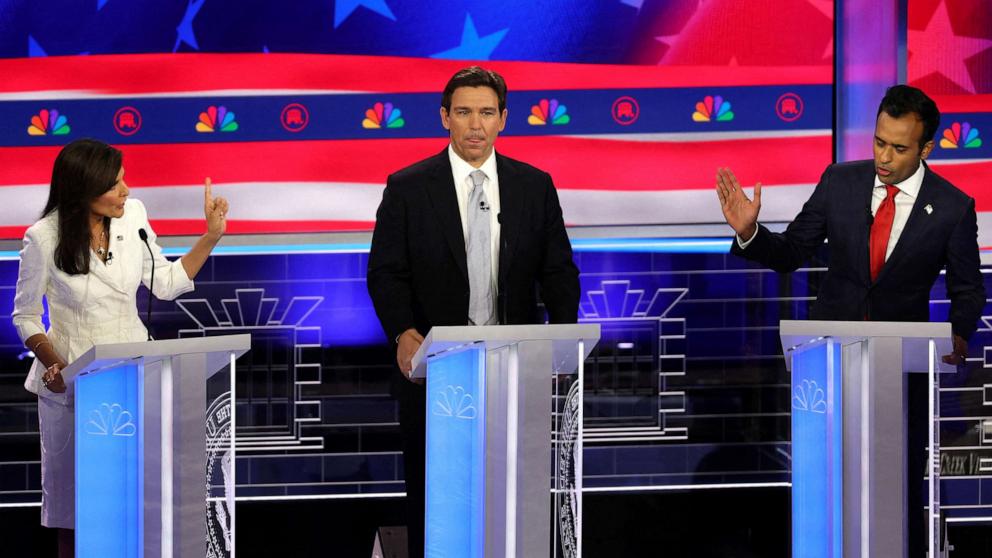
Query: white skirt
x=58, y=467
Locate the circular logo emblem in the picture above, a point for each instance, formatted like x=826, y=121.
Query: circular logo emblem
x=295, y=117
x=127, y=121
x=220, y=477
x=625, y=111
x=789, y=107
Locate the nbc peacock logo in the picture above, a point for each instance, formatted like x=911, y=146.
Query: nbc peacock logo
x=216, y=118
x=383, y=115
x=960, y=135
x=49, y=122
x=713, y=108
x=546, y=111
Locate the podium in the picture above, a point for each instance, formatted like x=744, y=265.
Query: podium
x=849, y=433
x=154, y=466
x=504, y=416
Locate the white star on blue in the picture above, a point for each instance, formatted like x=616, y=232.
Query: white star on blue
x=473, y=47
x=344, y=8
x=184, y=31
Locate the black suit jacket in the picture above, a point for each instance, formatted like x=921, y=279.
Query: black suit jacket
x=417, y=273
x=839, y=211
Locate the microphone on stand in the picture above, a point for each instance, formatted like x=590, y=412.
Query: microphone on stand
x=151, y=283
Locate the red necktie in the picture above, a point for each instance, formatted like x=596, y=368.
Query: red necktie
x=881, y=228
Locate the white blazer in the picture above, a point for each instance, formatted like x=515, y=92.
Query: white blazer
x=98, y=307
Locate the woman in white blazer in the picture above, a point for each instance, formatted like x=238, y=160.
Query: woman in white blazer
x=86, y=257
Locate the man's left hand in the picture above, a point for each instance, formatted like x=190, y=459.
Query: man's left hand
x=959, y=353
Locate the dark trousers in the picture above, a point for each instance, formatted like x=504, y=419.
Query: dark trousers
x=412, y=406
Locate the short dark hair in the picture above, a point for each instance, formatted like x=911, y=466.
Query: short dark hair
x=84, y=170
x=474, y=76
x=900, y=100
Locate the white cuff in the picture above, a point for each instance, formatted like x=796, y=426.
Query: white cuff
x=743, y=245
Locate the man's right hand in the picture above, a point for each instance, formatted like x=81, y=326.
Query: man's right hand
x=406, y=346
x=740, y=212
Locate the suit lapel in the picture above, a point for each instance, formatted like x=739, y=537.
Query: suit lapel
x=441, y=190
x=914, y=225
x=510, y=213
x=864, y=244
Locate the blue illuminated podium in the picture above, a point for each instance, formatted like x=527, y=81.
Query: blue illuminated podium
x=849, y=433
x=144, y=438
x=504, y=443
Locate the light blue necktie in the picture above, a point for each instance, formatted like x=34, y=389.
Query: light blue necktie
x=478, y=252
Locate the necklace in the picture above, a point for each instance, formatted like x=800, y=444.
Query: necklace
x=101, y=248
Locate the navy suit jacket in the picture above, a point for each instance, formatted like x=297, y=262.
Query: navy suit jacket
x=418, y=274
x=839, y=211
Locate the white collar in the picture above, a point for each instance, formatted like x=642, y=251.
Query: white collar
x=911, y=186
x=461, y=169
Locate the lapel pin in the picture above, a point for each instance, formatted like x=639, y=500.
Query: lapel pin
x=120, y=237
x=928, y=209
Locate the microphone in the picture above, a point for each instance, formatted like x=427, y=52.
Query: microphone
x=483, y=206
x=871, y=218
x=110, y=258
x=151, y=283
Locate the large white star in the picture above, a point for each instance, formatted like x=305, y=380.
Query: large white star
x=946, y=51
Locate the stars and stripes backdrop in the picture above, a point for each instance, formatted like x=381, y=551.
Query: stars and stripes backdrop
x=950, y=57
x=299, y=112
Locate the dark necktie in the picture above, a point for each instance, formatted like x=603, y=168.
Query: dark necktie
x=881, y=228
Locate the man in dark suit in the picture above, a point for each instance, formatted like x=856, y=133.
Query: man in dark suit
x=892, y=225
x=464, y=237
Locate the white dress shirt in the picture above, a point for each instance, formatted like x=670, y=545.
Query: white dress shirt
x=909, y=189
x=460, y=171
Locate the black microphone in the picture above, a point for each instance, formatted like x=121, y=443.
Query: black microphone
x=871, y=218
x=110, y=258
x=151, y=283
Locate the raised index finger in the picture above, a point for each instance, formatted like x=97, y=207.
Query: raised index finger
x=207, y=196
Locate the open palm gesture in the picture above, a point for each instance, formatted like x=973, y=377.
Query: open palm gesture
x=740, y=212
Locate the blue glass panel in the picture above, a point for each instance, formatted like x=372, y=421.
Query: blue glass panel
x=456, y=446
x=109, y=479
x=817, y=467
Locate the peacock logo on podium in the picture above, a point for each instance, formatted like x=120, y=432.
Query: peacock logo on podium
x=453, y=401
x=809, y=396
x=110, y=420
